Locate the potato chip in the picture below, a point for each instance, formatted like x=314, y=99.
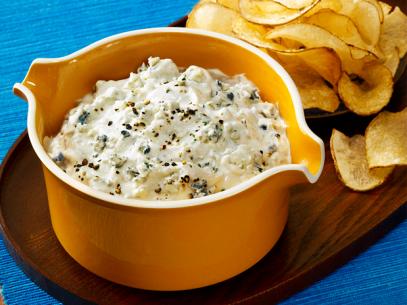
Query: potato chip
x=324, y=61
x=254, y=33
x=386, y=8
x=263, y=50
x=290, y=45
x=379, y=9
x=369, y=92
x=296, y=4
x=364, y=14
x=342, y=27
x=391, y=59
x=212, y=17
x=349, y=155
x=334, y=5
x=312, y=36
x=314, y=91
x=232, y=4
x=366, y=18
x=364, y=55
x=393, y=38
x=270, y=12
x=386, y=139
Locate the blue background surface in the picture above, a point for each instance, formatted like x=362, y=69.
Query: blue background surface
x=31, y=29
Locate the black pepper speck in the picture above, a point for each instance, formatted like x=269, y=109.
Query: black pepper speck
x=125, y=133
x=147, y=150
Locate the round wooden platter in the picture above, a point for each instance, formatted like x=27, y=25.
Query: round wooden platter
x=328, y=224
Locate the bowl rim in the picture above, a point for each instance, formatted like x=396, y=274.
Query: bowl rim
x=171, y=204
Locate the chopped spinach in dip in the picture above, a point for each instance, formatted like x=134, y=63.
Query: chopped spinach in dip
x=168, y=133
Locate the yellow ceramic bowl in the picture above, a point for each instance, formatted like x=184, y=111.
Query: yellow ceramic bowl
x=167, y=245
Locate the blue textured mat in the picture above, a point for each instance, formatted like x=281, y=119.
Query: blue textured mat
x=31, y=29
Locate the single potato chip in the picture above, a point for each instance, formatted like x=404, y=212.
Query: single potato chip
x=386, y=139
x=270, y=12
x=349, y=155
x=314, y=91
x=323, y=60
x=296, y=4
x=212, y=17
x=366, y=17
x=364, y=13
x=369, y=92
x=386, y=8
x=254, y=34
x=290, y=45
x=379, y=9
x=312, y=36
x=342, y=27
x=232, y=4
x=393, y=38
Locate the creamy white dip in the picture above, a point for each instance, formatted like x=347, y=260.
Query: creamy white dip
x=170, y=133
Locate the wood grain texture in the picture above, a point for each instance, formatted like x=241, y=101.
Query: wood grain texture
x=328, y=224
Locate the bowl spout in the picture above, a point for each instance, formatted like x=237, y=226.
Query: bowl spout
x=41, y=80
x=40, y=88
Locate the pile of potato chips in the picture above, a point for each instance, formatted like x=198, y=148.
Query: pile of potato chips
x=347, y=51
x=365, y=162
x=335, y=50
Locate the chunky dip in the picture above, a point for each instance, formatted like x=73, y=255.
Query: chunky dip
x=167, y=133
